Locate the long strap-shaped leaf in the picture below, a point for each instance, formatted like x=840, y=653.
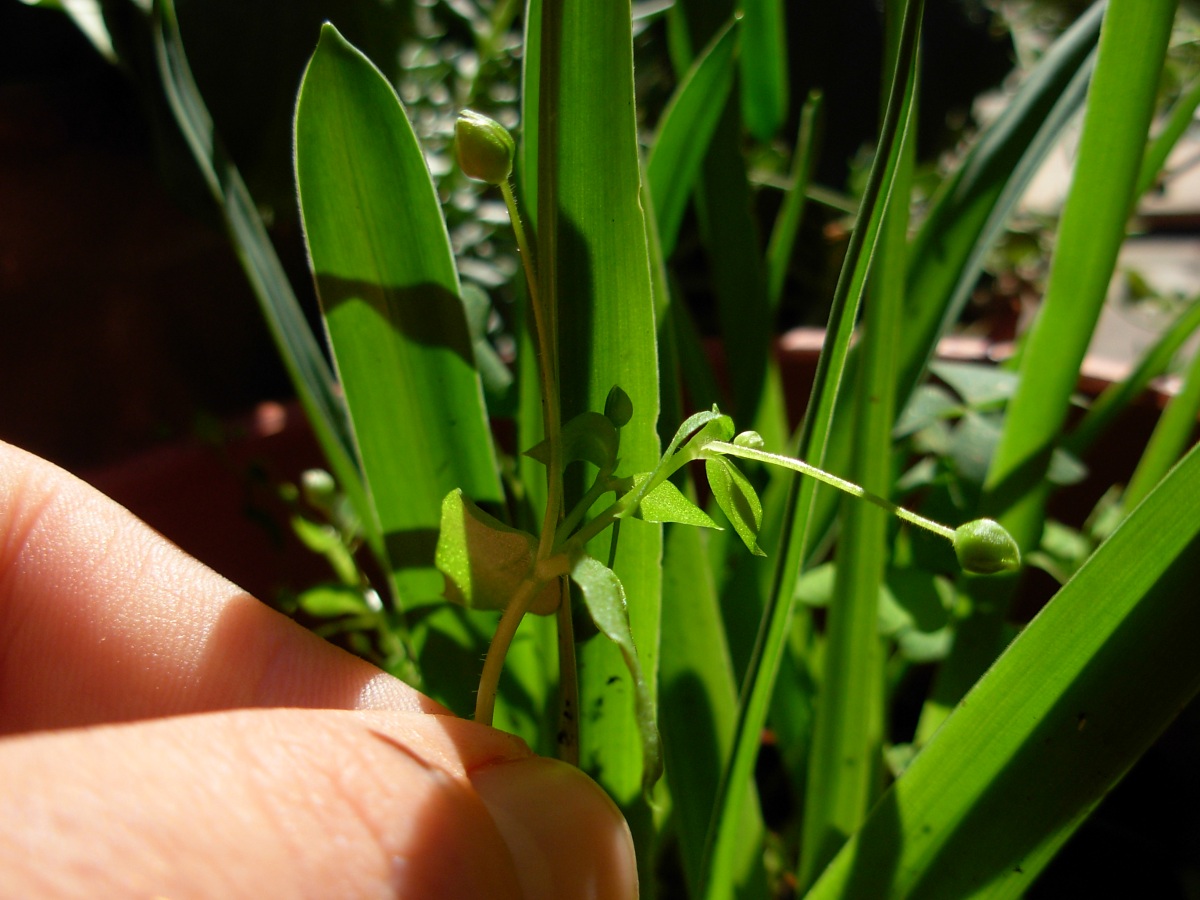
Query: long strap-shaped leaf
x=1059, y=718
x=389, y=293
x=764, y=664
x=845, y=763
x=972, y=207
x=593, y=256
x=1120, y=105
x=684, y=132
x=298, y=347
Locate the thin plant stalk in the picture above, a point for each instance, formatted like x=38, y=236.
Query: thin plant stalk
x=764, y=662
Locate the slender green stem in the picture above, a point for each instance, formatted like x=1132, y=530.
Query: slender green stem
x=599, y=488
x=547, y=374
x=798, y=465
x=528, y=260
x=489, y=681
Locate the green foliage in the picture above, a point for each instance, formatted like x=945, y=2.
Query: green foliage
x=390, y=297
x=659, y=621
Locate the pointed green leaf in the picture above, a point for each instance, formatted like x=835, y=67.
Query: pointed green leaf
x=719, y=428
x=590, y=436
x=811, y=445
x=683, y=134
x=593, y=253
x=737, y=499
x=1120, y=106
x=484, y=560
x=763, y=67
x=974, y=204
x=605, y=600
x=666, y=503
x=698, y=710
x=390, y=297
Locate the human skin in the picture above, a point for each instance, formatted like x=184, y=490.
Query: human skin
x=162, y=733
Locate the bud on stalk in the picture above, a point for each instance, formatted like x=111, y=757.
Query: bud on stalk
x=484, y=146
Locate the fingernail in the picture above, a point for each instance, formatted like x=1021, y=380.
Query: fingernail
x=566, y=836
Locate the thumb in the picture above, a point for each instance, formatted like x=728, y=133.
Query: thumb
x=294, y=803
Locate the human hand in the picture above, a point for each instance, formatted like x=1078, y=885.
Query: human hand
x=162, y=733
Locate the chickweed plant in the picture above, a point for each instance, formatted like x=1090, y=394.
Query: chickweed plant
x=659, y=644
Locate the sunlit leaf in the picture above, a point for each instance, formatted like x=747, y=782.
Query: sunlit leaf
x=390, y=297
x=484, y=560
x=666, y=503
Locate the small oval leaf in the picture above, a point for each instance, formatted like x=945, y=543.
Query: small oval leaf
x=604, y=598
x=737, y=499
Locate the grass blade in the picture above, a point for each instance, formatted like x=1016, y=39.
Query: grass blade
x=760, y=677
x=970, y=210
x=1051, y=727
x=845, y=767
x=1170, y=437
x=593, y=252
x=783, y=235
x=298, y=347
x=683, y=134
x=728, y=230
x=972, y=207
x=1120, y=105
x=699, y=709
x=763, y=67
x=1104, y=411
x=1160, y=146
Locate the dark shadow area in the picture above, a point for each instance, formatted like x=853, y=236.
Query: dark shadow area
x=576, y=312
x=869, y=880
x=1143, y=840
x=692, y=760
x=411, y=549
x=426, y=313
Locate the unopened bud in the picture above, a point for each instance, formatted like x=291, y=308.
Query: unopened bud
x=484, y=146
x=984, y=547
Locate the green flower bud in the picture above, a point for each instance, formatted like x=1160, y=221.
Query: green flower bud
x=984, y=547
x=485, y=148
x=618, y=408
x=749, y=439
